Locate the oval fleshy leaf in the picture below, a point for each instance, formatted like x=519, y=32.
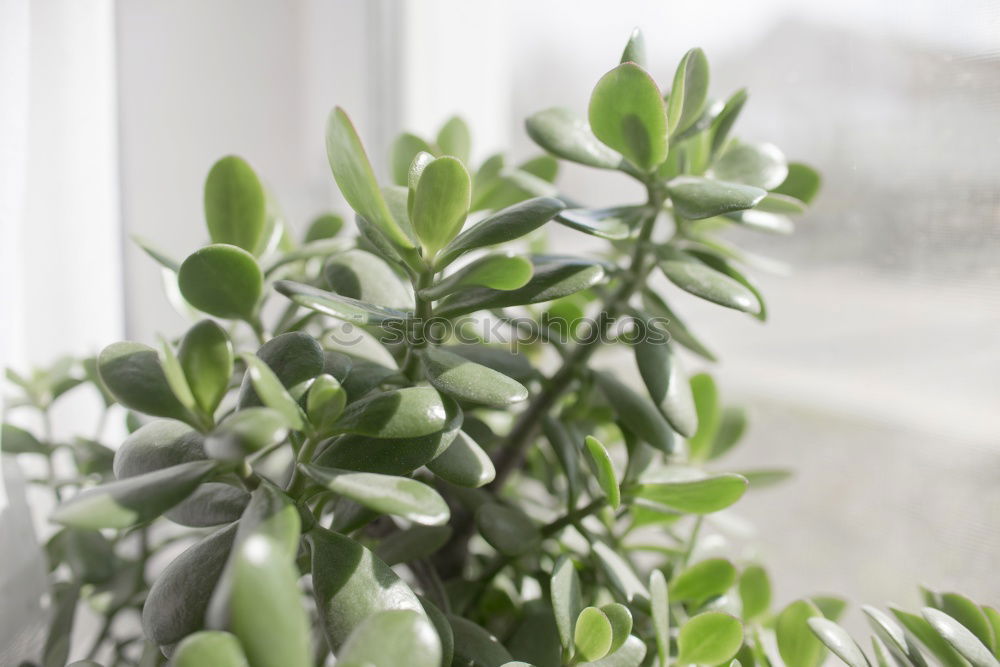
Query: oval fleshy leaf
x=705, y=579
x=796, y=642
x=507, y=529
x=689, y=91
x=206, y=355
x=362, y=276
x=593, y=634
x=838, y=641
x=698, y=496
x=695, y=198
x=606, y=478
x=614, y=224
x=222, y=280
x=464, y=463
x=627, y=114
x=402, y=413
x=505, y=225
x=245, y=432
x=502, y=272
x=468, y=381
x=710, y=638
x=392, y=637
x=134, y=376
x=386, y=494
x=235, y=204
x=440, y=203
x=637, y=413
x=340, y=307
x=698, y=278
x=565, y=593
x=760, y=165
x=960, y=638
x=209, y=647
x=565, y=135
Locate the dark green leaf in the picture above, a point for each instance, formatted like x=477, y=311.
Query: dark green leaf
x=273, y=393
x=392, y=637
x=179, y=597
x=695, y=277
x=660, y=604
x=468, y=381
x=294, y=357
x=714, y=261
x=627, y=113
x=246, y=432
x=922, y=630
x=678, y=331
x=613, y=224
x=401, y=413
x=209, y=647
x=362, y=276
x=325, y=403
x=968, y=613
x=464, y=463
x=211, y=504
x=695, y=198
x=354, y=175
x=235, y=204
x=894, y=637
x=504, y=225
x=404, y=149
x=565, y=135
x=135, y=500
x=351, y=584
x=697, y=496
x=711, y=638
x=796, y=642
x=222, y=280
x=15, y=440
x=535, y=640
x=340, y=307
x=325, y=226
x=665, y=381
x=703, y=580
x=723, y=123
x=65, y=597
x=688, y=93
x=412, y=544
x=565, y=593
x=132, y=373
x=619, y=573
x=206, y=355
x=386, y=494
x=802, y=182
x=156, y=445
x=507, y=529
x=474, y=645
x=638, y=412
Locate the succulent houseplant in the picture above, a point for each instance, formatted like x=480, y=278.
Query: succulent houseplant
x=404, y=447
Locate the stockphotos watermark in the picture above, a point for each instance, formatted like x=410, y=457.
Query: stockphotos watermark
x=512, y=332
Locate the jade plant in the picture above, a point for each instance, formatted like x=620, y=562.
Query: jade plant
x=419, y=445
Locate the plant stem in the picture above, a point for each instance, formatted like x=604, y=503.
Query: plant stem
x=551, y=529
x=297, y=484
x=693, y=539
x=422, y=314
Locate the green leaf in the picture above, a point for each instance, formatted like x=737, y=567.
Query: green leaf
x=392, y=637
x=535, y=639
x=961, y=638
x=263, y=604
x=168, y=263
x=340, y=307
x=235, y=204
x=565, y=135
x=544, y=167
x=679, y=333
x=761, y=165
x=796, y=642
x=697, y=496
x=969, y=614
x=211, y=504
x=468, y=381
x=356, y=180
x=605, y=473
x=475, y=645
x=688, y=93
x=717, y=263
x=660, y=603
x=614, y=224
x=404, y=149
x=620, y=575
x=723, y=123
x=325, y=226
x=351, y=584
x=501, y=272
x=133, y=374
x=386, y=494
x=178, y=599
x=222, y=280
x=441, y=203
x=703, y=580
x=922, y=630
x=273, y=393
x=706, y=401
x=831, y=606
x=505, y=225
x=895, y=638
x=593, y=634
x=631, y=654
x=994, y=618
x=294, y=357
x=802, y=183
x=206, y=355
x=755, y=592
x=838, y=641
x=710, y=638
x=401, y=413
x=564, y=589
x=135, y=500
x=695, y=198
x=637, y=412
x=635, y=49
x=325, y=403
x=15, y=440
x=455, y=139
x=209, y=647
x=157, y=445
x=665, y=381
x=412, y=544
x=360, y=275
x=627, y=113
x=64, y=603
x=507, y=529
x=464, y=463
x=695, y=277
x=245, y=432
x=554, y=277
